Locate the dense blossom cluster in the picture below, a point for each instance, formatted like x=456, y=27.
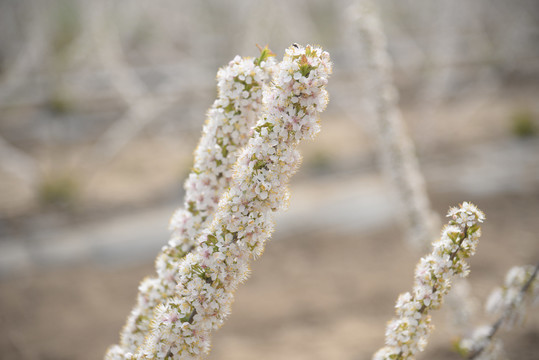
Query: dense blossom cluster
x=510, y=302
x=407, y=334
x=208, y=276
x=226, y=132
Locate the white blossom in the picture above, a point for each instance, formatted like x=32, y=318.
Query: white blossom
x=407, y=334
x=510, y=302
x=491, y=349
x=243, y=222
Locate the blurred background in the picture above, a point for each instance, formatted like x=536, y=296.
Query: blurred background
x=102, y=103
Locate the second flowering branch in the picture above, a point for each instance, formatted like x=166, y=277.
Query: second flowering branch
x=407, y=334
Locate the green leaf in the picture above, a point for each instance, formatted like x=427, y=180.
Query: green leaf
x=259, y=165
x=265, y=53
x=267, y=125
x=192, y=208
x=304, y=66
x=212, y=239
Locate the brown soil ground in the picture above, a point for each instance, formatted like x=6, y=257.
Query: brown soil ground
x=323, y=295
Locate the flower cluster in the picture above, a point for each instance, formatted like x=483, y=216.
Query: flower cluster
x=481, y=345
x=226, y=132
x=209, y=275
x=519, y=282
x=407, y=334
x=510, y=302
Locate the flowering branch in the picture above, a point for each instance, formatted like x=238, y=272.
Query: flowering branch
x=407, y=334
x=510, y=302
x=209, y=275
x=397, y=153
x=225, y=133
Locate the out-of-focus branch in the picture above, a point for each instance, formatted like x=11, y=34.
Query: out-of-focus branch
x=483, y=344
x=143, y=107
x=32, y=52
x=396, y=149
x=18, y=163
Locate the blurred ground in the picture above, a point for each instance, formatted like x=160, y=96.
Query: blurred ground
x=328, y=280
x=319, y=294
